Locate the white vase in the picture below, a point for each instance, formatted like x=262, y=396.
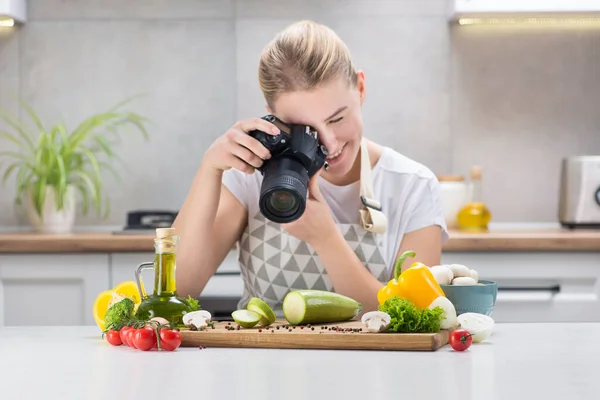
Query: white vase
x=52, y=220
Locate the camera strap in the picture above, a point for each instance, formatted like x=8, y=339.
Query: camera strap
x=372, y=218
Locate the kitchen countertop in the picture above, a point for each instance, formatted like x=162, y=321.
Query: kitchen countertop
x=519, y=361
x=499, y=238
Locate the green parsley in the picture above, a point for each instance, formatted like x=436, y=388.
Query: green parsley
x=193, y=303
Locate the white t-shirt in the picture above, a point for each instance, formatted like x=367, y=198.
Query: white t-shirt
x=407, y=190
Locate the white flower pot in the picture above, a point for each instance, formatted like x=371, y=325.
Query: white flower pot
x=52, y=220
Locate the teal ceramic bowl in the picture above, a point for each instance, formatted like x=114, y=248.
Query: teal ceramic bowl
x=479, y=299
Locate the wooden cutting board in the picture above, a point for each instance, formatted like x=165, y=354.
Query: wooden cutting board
x=337, y=336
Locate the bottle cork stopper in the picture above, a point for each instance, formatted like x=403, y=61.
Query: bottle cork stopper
x=450, y=178
x=162, y=233
x=476, y=173
x=166, y=241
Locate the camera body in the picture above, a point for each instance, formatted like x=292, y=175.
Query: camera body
x=296, y=155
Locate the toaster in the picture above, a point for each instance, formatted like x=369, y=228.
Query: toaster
x=579, y=203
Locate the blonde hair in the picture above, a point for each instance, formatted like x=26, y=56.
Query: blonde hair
x=301, y=57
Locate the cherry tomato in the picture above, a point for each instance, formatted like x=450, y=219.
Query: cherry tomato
x=170, y=339
x=129, y=335
x=123, y=335
x=460, y=339
x=144, y=338
x=114, y=337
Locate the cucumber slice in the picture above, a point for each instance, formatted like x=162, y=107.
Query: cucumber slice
x=263, y=309
x=246, y=318
x=318, y=306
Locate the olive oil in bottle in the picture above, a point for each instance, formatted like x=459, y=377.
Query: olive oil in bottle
x=475, y=215
x=164, y=301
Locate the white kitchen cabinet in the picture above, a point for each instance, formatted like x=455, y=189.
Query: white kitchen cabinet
x=227, y=281
x=539, y=286
x=51, y=289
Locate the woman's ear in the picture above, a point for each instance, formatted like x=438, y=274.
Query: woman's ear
x=360, y=85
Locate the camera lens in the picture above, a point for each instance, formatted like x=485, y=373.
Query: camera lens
x=284, y=190
x=283, y=201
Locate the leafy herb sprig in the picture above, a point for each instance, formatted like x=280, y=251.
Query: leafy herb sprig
x=407, y=318
x=193, y=303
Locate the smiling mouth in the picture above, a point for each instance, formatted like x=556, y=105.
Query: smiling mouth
x=336, y=154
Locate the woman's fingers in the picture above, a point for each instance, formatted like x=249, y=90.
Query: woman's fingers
x=247, y=156
x=243, y=139
x=257, y=124
x=239, y=164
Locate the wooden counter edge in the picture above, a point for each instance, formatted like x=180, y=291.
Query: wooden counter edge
x=549, y=240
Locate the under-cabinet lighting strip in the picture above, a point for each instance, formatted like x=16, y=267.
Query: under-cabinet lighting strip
x=7, y=22
x=530, y=21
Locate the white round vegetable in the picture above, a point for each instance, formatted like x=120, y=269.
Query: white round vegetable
x=160, y=320
x=478, y=325
x=460, y=270
x=442, y=274
x=475, y=275
x=463, y=281
x=450, y=321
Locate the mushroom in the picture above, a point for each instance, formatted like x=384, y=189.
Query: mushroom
x=463, y=281
x=159, y=321
x=376, y=321
x=475, y=275
x=442, y=274
x=459, y=270
x=197, y=319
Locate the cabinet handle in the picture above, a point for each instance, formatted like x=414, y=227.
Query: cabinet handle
x=227, y=273
x=553, y=289
x=527, y=294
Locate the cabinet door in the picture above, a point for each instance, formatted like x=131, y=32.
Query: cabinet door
x=539, y=287
x=51, y=289
x=227, y=281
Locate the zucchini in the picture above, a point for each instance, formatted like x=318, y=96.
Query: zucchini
x=318, y=307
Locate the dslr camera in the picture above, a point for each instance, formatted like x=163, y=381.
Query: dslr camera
x=296, y=155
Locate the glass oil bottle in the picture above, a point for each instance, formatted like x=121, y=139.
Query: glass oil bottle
x=164, y=301
x=475, y=215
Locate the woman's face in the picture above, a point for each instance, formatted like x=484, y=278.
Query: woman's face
x=334, y=111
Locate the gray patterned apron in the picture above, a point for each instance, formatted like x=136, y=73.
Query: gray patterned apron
x=273, y=262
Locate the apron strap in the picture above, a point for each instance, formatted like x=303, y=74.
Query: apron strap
x=371, y=217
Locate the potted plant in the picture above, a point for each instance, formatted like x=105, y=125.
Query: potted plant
x=53, y=165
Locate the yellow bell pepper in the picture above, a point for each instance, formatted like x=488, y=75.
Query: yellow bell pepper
x=417, y=284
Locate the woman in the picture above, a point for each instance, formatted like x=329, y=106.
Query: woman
x=307, y=77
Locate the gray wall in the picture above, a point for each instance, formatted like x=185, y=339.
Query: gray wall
x=514, y=100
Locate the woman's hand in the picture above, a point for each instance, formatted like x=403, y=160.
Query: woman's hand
x=236, y=149
x=317, y=222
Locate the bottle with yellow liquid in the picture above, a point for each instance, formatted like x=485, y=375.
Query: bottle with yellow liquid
x=474, y=216
x=164, y=301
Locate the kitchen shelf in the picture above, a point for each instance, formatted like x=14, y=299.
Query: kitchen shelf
x=554, y=239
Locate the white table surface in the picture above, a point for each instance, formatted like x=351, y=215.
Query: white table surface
x=519, y=361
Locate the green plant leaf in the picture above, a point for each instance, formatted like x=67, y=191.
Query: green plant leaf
x=40, y=195
x=62, y=184
x=91, y=187
x=14, y=154
x=12, y=138
x=32, y=115
x=10, y=170
x=92, y=159
x=85, y=199
x=112, y=171
x=103, y=144
x=19, y=126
